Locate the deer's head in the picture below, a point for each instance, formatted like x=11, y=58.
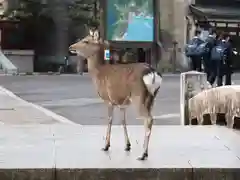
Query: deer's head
x=88, y=46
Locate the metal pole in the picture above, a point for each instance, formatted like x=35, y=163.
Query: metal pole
x=174, y=57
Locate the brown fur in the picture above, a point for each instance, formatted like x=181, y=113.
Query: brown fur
x=119, y=85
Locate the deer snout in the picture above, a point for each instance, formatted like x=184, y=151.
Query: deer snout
x=72, y=49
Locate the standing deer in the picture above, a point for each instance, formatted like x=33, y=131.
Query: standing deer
x=119, y=85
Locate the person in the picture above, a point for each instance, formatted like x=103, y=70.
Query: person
x=218, y=57
x=191, y=51
x=210, y=42
x=228, y=60
x=204, y=30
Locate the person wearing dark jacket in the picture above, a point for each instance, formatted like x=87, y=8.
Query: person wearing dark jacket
x=196, y=60
x=228, y=60
x=217, y=61
x=210, y=40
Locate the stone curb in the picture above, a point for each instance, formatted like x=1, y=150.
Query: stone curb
x=29, y=74
x=121, y=174
x=57, y=73
x=39, y=74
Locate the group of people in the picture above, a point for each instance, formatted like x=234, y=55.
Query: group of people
x=214, y=51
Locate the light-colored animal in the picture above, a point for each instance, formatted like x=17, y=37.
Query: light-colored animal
x=224, y=99
x=120, y=85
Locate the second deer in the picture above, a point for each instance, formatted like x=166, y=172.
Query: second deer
x=120, y=85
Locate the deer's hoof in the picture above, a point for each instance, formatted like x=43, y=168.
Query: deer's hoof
x=106, y=148
x=143, y=157
x=128, y=147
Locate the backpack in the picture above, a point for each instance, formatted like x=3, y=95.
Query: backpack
x=195, y=47
x=210, y=41
x=219, y=52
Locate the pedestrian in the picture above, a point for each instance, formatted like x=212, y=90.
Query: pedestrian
x=192, y=51
x=210, y=42
x=228, y=60
x=204, y=30
x=218, y=55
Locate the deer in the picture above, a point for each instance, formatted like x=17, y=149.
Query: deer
x=120, y=85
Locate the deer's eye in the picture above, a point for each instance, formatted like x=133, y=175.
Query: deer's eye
x=86, y=42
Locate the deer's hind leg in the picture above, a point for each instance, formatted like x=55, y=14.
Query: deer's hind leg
x=145, y=110
x=108, y=135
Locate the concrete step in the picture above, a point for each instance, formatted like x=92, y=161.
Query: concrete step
x=67, y=152
x=7, y=64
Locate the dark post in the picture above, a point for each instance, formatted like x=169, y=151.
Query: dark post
x=103, y=15
x=174, y=56
x=156, y=9
x=102, y=19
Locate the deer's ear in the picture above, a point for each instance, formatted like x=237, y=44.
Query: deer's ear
x=96, y=35
x=91, y=32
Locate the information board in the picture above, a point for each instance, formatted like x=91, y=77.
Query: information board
x=130, y=20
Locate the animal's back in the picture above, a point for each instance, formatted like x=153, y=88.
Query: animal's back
x=118, y=83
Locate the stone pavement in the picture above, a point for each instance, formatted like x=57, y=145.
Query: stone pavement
x=73, y=152
x=14, y=110
x=72, y=96
x=38, y=144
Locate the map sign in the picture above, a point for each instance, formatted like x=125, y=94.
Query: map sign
x=130, y=20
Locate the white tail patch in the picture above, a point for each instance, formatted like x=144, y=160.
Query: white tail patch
x=153, y=81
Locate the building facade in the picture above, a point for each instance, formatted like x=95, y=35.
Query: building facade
x=178, y=19
x=224, y=16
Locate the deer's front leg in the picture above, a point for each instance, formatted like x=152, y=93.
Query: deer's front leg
x=148, y=129
x=127, y=141
x=108, y=135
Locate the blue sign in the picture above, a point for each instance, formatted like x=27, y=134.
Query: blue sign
x=130, y=20
x=140, y=29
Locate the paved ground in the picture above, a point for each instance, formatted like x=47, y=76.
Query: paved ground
x=63, y=146
x=74, y=97
x=73, y=152
x=191, y=152
x=14, y=110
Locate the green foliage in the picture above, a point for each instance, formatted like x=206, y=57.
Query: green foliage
x=27, y=9
x=80, y=11
x=85, y=12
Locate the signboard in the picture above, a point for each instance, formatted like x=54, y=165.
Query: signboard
x=130, y=20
